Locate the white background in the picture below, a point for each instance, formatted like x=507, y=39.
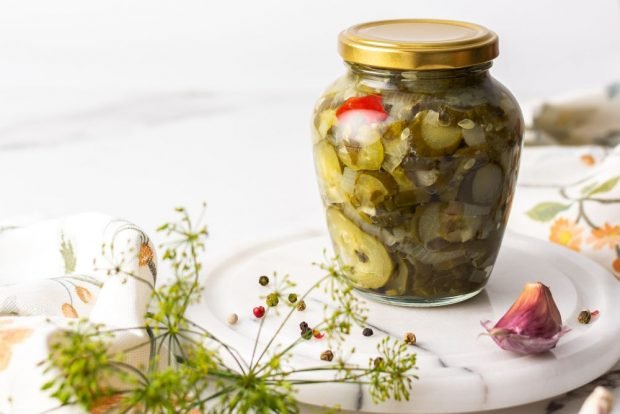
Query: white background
x=133, y=107
x=63, y=53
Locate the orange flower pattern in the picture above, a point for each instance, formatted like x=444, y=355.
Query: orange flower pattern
x=581, y=202
x=8, y=338
x=84, y=294
x=69, y=311
x=588, y=159
x=566, y=233
x=145, y=256
x=606, y=236
x=616, y=267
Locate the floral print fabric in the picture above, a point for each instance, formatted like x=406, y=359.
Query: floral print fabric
x=55, y=271
x=569, y=183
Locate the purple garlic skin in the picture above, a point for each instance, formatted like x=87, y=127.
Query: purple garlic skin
x=532, y=325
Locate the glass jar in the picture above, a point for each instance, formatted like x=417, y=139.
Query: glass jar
x=416, y=151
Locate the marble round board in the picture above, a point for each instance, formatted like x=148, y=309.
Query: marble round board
x=459, y=370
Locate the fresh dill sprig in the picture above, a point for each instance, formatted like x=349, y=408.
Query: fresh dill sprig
x=348, y=310
x=190, y=370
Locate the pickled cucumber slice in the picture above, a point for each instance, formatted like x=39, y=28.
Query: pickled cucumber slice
x=329, y=170
x=441, y=139
x=432, y=137
x=404, y=183
x=373, y=188
x=397, y=285
x=487, y=184
x=435, y=223
x=459, y=228
x=362, y=157
x=387, y=236
x=369, y=262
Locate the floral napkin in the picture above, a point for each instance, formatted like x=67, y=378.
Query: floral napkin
x=55, y=272
x=569, y=182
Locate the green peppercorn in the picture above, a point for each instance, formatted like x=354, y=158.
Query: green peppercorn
x=586, y=315
x=301, y=306
x=367, y=332
x=327, y=356
x=306, y=334
x=292, y=297
x=378, y=362
x=263, y=280
x=272, y=299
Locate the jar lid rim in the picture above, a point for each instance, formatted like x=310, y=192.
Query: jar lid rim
x=418, y=44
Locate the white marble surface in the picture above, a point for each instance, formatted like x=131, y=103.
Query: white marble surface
x=453, y=358
x=247, y=154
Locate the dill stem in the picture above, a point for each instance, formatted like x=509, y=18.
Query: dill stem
x=288, y=316
x=256, y=340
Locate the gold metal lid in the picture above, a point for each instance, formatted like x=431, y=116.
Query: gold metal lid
x=418, y=44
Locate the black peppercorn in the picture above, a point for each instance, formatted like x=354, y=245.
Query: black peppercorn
x=263, y=280
x=367, y=332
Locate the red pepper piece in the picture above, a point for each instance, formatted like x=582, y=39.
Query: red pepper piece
x=317, y=334
x=370, y=103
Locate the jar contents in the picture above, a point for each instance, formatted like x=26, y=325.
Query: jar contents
x=417, y=175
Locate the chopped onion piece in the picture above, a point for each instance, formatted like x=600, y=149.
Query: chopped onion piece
x=474, y=136
x=426, y=178
x=348, y=180
x=466, y=124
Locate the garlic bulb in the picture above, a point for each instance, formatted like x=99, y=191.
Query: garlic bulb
x=532, y=325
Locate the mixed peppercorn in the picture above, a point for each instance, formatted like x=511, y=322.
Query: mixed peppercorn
x=305, y=330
